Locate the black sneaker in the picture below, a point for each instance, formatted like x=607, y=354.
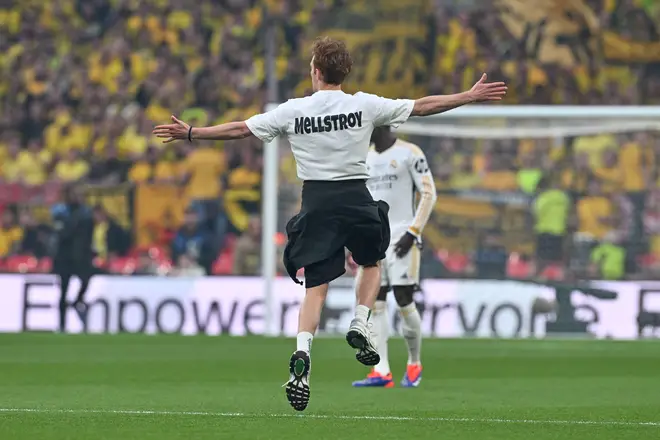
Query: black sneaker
x=297, y=388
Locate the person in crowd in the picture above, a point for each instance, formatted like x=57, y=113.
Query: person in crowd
x=442, y=176
x=623, y=221
x=34, y=164
x=167, y=170
x=551, y=209
x=144, y=167
x=500, y=175
x=576, y=176
x=194, y=240
x=37, y=237
x=247, y=253
x=164, y=231
x=596, y=218
x=490, y=258
x=243, y=194
x=146, y=265
x=71, y=168
x=202, y=170
x=529, y=174
x=609, y=173
x=109, y=239
x=637, y=161
x=186, y=266
x=74, y=228
x=595, y=213
x=608, y=259
x=464, y=176
x=652, y=219
x=11, y=233
x=107, y=168
x=10, y=169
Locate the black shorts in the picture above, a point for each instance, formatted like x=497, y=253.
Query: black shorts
x=550, y=247
x=335, y=215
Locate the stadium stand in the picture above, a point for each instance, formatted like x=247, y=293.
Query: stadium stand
x=83, y=82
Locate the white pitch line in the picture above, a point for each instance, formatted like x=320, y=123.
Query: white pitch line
x=330, y=417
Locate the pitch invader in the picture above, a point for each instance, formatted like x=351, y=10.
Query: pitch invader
x=398, y=173
x=329, y=133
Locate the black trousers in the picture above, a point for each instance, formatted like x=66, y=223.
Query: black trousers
x=550, y=247
x=66, y=271
x=334, y=216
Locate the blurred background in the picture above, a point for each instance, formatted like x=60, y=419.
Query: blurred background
x=547, y=222
x=84, y=82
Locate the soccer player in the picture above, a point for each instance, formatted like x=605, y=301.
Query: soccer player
x=398, y=172
x=329, y=133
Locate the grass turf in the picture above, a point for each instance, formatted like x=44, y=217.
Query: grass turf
x=472, y=389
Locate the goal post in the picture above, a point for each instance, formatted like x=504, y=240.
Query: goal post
x=493, y=122
x=269, y=199
x=498, y=125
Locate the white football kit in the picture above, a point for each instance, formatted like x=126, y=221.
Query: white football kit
x=396, y=176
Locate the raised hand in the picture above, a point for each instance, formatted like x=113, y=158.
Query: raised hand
x=172, y=132
x=483, y=91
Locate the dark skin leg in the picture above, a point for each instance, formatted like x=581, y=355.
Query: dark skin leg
x=403, y=294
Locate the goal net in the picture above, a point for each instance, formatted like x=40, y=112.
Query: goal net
x=488, y=162
x=491, y=164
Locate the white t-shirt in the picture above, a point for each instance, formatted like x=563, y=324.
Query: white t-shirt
x=329, y=132
x=397, y=176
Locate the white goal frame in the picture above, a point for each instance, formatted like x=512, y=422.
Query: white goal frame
x=602, y=119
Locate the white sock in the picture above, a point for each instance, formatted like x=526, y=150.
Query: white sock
x=305, y=341
x=412, y=331
x=362, y=313
x=381, y=333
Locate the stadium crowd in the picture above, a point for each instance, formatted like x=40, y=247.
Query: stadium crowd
x=83, y=83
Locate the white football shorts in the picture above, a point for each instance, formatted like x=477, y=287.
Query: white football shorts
x=400, y=271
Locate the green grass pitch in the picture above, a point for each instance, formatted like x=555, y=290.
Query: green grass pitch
x=58, y=387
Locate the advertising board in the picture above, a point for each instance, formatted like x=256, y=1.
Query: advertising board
x=235, y=306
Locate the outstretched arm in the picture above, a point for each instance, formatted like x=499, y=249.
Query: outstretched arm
x=222, y=132
x=480, y=92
